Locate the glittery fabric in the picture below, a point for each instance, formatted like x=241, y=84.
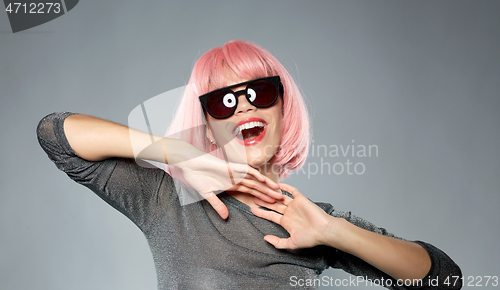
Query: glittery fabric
x=192, y=247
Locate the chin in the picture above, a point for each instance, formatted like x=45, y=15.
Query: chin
x=257, y=158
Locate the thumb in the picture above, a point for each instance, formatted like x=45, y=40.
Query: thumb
x=218, y=205
x=279, y=243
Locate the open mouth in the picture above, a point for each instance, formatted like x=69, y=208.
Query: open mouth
x=251, y=132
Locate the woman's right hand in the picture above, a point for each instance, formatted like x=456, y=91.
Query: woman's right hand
x=95, y=139
x=208, y=174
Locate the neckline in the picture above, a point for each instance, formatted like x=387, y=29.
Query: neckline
x=226, y=197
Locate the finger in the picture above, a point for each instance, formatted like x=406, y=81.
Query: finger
x=271, y=183
x=268, y=215
x=277, y=206
x=287, y=200
x=290, y=189
x=254, y=192
x=254, y=172
x=218, y=206
x=246, y=170
x=280, y=243
x=261, y=189
x=255, y=188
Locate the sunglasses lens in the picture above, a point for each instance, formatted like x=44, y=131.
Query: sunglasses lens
x=221, y=104
x=262, y=93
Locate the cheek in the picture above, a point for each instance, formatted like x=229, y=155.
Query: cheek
x=278, y=126
x=277, y=133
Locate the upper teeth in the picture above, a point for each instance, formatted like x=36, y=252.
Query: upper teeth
x=248, y=125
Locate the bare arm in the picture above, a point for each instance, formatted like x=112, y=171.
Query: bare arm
x=309, y=226
x=96, y=139
x=398, y=258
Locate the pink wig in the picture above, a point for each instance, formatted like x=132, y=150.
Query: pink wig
x=247, y=61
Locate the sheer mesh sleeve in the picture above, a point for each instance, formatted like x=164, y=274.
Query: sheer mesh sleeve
x=442, y=275
x=141, y=194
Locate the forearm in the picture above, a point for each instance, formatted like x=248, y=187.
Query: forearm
x=96, y=139
x=399, y=259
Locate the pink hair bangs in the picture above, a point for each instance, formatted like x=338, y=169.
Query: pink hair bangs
x=246, y=61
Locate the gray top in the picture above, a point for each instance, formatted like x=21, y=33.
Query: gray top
x=192, y=247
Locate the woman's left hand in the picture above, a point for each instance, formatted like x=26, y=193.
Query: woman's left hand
x=309, y=226
x=306, y=223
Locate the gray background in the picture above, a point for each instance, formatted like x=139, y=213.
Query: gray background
x=419, y=79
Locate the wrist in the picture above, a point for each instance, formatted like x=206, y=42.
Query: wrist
x=176, y=151
x=164, y=150
x=330, y=236
x=336, y=233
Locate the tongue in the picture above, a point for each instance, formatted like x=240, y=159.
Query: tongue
x=251, y=133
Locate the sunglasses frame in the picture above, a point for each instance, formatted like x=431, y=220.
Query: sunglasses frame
x=275, y=80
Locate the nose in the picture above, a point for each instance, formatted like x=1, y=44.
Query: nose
x=244, y=105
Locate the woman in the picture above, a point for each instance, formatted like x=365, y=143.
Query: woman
x=254, y=114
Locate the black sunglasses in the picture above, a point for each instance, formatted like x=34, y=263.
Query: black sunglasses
x=261, y=93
